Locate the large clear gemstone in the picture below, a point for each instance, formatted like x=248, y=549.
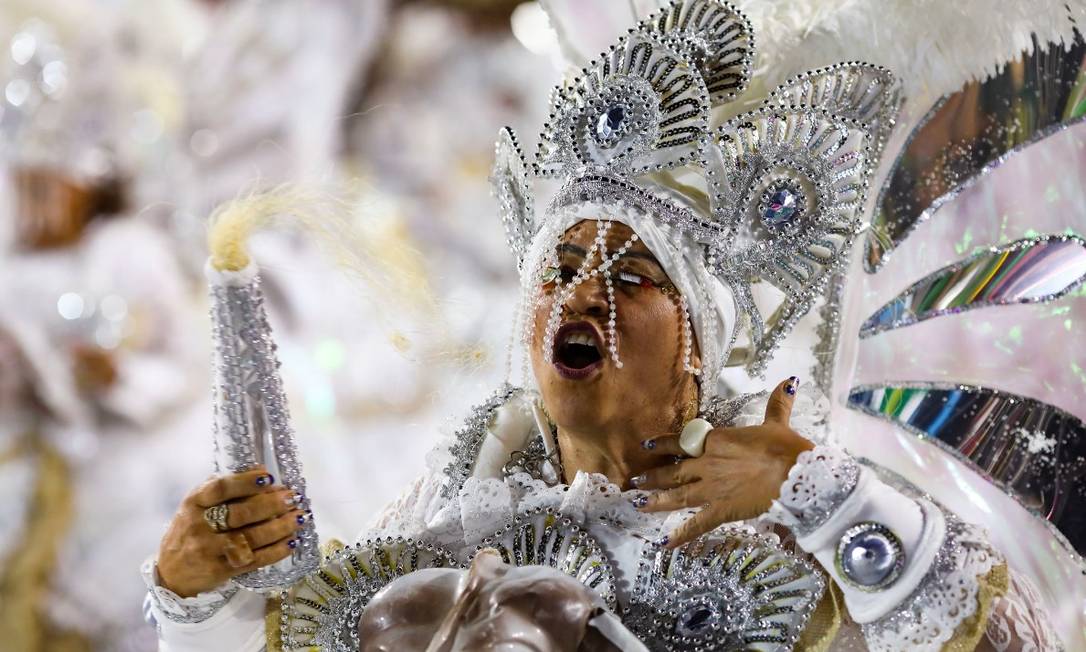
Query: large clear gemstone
x=610, y=121
x=697, y=619
x=869, y=558
x=780, y=207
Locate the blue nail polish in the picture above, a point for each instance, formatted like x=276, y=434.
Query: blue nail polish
x=793, y=378
x=638, y=480
x=300, y=519
x=265, y=480
x=790, y=388
x=640, y=501
x=648, y=444
x=292, y=544
x=662, y=542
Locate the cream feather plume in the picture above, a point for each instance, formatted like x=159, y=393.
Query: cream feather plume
x=934, y=46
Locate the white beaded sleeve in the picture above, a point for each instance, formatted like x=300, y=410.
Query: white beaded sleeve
x=198, y=608
x=909, y=572
x=222, y=619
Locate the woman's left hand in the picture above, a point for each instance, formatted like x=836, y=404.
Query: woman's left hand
x=737, y=477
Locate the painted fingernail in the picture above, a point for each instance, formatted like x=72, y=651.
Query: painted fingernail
x=300, y=519
x=292, y=544
x=660, y=543
x=638, y=480
x=265, y=480
x=795, y=378
x=648, y=444
x=791, y=386
x=640, y=501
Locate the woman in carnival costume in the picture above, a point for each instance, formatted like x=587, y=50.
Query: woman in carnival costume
x=627, y=498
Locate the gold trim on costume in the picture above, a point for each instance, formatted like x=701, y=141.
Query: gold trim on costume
x=825, y=622
x=971, y=631
x=274, y=607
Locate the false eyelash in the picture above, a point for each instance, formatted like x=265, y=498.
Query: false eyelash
x=634, y=279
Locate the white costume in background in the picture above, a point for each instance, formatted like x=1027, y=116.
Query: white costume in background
x=119, y=290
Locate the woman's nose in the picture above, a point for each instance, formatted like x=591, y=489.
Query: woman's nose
x=589, y=298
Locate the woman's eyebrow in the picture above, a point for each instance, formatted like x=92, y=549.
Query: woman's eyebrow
x=642, y=254
x=572, y=249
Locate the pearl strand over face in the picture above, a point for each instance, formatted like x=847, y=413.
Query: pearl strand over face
x=563, y=293
x=612, y=311
x=583, y=273
x=688, y=338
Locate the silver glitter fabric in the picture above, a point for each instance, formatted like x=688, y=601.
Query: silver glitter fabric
x=321, y=611
x=183, y=610
x=469, y=438
x=772, y=196
x=938, y=587
x=723, y=411
x=738, y=592
x=829, y=334
x=508, y=177
x=826, y=158
x=252, y=422
x=867, y=94
x=543, y=538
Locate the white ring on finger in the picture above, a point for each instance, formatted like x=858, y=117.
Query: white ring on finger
x=692, y=438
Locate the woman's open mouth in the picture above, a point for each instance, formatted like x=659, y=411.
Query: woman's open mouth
x=578, y=350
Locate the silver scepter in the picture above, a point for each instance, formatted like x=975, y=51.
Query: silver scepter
x=252, y=422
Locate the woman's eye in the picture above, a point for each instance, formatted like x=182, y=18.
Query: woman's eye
x=635, y=279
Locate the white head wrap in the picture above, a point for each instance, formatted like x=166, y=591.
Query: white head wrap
x=710, y=302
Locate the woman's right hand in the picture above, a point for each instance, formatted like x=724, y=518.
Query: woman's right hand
x=262, y=520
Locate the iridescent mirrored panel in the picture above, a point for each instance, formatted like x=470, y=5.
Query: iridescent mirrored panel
x=1033, y=451
x=973, y=130
x=1028, y=271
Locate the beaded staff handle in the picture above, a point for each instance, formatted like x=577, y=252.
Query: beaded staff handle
x=252, y=422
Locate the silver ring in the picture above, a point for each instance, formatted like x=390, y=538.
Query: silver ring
x=216, y=516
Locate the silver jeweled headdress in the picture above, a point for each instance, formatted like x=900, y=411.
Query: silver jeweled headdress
x=773, y=195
